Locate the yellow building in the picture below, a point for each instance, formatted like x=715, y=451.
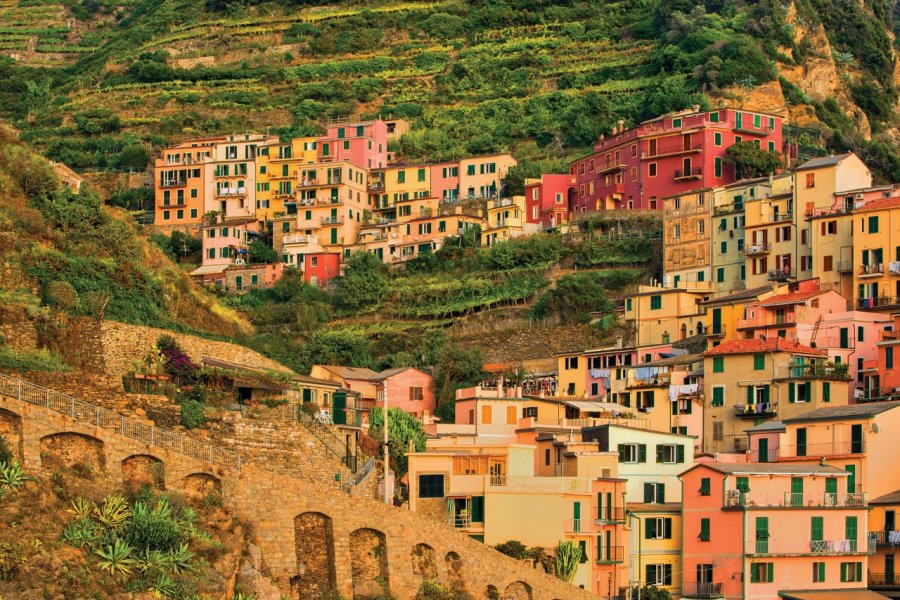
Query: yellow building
x=656, y=534
x=749, y=381
x=662, y=315
x=278, y=173
x=332, y=203
x=727, y=231
x=686, y=237
x=883, y=528
x=724, y=312
x=482, y=176
x=876, y=245
x=770, y=238
x=506, y=218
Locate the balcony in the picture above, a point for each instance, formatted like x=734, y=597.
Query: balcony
x=235, y=192
x=876, y=270
x=894, y=267
x=725, y=209
x=884, y=579
x=173, y=183
x=610, y=168
x=332, y=220
x=717, y=331
x=611, y=555
x=663, y=152
x=874, y=303
x=781, y=275
x=777, y=218
x=757, y=249
x=688, y=174
x=752, y=130
x=761, y=410
x=838, y=448
x=736, y=499
x=659, y=380
x=795, y=547
x=313, y=182
x=301, y=240
x=885, y=538
x=817, y=370
x=877, y=394
x=376, y=186
x=845, y=266
x=610, y=514
x=701, y=589
x=785, y=320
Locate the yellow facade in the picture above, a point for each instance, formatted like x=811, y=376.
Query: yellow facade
x=656, y=540
x=686, y=237
x=876, y=252
x=771, y=248
x=883, y=526
x=482, y=176
x=505, y=219
x=278, y=164
x=665, y=315
x=724, y=312
x=727, y=232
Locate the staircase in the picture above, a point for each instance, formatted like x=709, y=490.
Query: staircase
x=815, y=332
x=25, y=391
x=329, y=439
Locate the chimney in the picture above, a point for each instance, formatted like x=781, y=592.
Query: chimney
x=696, y=108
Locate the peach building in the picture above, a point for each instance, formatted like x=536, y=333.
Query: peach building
x=662, y=315
x=405, y=387
x=225, y=242
x=759, y=531
x=876, y=247
x=884, y=529
x=725, y=312
x=183, y=177
x=880, y=380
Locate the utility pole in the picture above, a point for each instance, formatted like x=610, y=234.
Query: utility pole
x=387, y=471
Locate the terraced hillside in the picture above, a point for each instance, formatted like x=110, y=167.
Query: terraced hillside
x=94, y=78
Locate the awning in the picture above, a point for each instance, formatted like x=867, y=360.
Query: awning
x=209, y=270
x=587, y=406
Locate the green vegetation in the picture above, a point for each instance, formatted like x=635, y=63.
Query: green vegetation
x=37, y=360
x=404, y=431
x=751, y=161
x=568, y=555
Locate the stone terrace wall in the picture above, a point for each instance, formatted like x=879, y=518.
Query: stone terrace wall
x=312, y=536
x=123, y=344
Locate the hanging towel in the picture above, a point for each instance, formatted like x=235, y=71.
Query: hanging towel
x=894, y=538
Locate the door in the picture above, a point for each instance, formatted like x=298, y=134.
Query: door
x=890, y=520
x=339, y=415
x=763, y=450
x=576, y=517
x=796, y=491
x=850, y=532
x=851, y=481
x=831, y=485
x=801, y=441
x=738, y=120
x=334, y=236
x=816, y=534
x=762, y=535
x=889, y=569
x=856, y=439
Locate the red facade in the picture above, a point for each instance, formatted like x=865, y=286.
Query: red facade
x=363, y=144
x=673, y=154
x=547, y=200
x=321, y=267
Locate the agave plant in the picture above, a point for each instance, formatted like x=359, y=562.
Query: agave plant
x=165, y=587
x=113, y=512
x=12, y=476
x=180, y=559
x=568, y=555
x=116, y=558
x=162, y=509
x=152, y=561
x=82, y=508
x=80, y=533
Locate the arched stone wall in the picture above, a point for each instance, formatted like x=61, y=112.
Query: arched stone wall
x=139, y=470
x=517, y=590
x=423, y=563
x=314, y=547
x=77, y=451
x=11, y=429
x=491, y=593
x=368, y=563
x=198, y=486
x=455, y=579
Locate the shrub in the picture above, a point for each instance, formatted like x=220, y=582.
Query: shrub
x=513, y=548
x=444, y=26
x=36, y=360
x=11, y=556
x=61, y=295
x=6, y=454
x=193, y=413
x=153, y=529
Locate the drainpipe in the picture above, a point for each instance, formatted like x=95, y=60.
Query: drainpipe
x=636, y=575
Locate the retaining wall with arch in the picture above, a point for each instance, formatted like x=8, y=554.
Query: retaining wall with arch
x=313, y=537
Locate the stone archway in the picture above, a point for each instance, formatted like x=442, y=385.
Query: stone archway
x=11, y=431
x=141, y=470
x=423, y=563
x=517, y=590
x=491, y=593
x=369, y=564
x=81, y=453
x=454, y=564
x=314, y=548
x=199, y=486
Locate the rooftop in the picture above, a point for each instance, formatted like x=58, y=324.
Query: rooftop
x=770, y=469
x=879, y=204
x=891, y=498
x=767, y=426
x=776, y=344
x=859, y=594
x=837, y=413
x=824, y=161
x=791, y=298
x=738, y=296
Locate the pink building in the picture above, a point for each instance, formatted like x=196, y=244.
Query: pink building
x=319, y=268
x=779, y=315
x=548, y=199
x=225, y=243
x=404, y=387
x=445, y=181
x=669, y=155
x=759, y=531
x=879, y=379
x=362, y=143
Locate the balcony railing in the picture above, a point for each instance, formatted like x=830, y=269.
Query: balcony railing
x=876, y=394
x=845, y=266
x=717, y=331
x=661, y=152
x=684, y=174
x=894, y=267
x=173, y=183
x=784, y=320
x=835, y=448
x=300, y=239
x=781, y=275
x=868, y=303
x=755, y=249
x=884, y=579
x=724, y=209
x=610, y=167
x=875, y=270
x=701, y=589
x=823, y=547
x=736, y=499
x=748, y=128
x=332, y=220
x=756, y=411
x=611, y=555
x=459, y=521
x=230, y=192
x=886, y=538
x=610, y=514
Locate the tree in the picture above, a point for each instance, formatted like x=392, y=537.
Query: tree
x=364, y=283
x=750, y=160
x=133, y=158
x=405, y=434
x=456, y=368
x=649, y=592
x=261, y=252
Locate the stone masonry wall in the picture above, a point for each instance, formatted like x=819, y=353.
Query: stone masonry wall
x=271, y=503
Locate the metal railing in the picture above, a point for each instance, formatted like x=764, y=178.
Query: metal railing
x=795, y=546
x=108, y=419
x=332, y=220
x=610, y=514
x=879, y=579
x=757, y=249
x=363, y=473
x=701, y=589
x=688, y=173
x=882, y=538
x=876, y=269
x=611, y=554
x=761, y=409
x=329, y=439
x=781, y=275
x=735, y=498
x=864, y=303
x=832, y=448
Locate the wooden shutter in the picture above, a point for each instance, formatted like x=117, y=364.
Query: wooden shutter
x=679, y=453
x=642, y=453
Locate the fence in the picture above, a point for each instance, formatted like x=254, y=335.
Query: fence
x=107, y=419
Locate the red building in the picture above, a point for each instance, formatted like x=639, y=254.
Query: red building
x=880, y=378
x=548, y=199
x=361, y=143
x=669, y=155
x=321, y=267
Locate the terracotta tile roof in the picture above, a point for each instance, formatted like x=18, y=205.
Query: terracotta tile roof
x=776, y=344
x=849, y=411
x=879, y=204
x=792, y=298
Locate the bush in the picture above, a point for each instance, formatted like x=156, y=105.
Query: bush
x=151, y=530
x=364, y=283
x=6, y=455
x=37, y=360
x=444, y=26
x=193, y=413
x=513, y=548
x=61, y=295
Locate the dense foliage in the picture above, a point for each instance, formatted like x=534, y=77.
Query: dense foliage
x=404, y=433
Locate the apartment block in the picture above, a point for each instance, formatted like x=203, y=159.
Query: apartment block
x=549, y=199
x=883, y=529
x=771, y=248
x=667, y=156
x=686, y=237
x=656, y=538
x=663, y=315
x=876, y=247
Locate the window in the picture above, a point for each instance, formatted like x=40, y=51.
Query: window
x=658, y=528
x=851, y=571
x=654, y=493
x=704, y=530
x=529, y=412
x=827, y=263
x=743, y=484
x=810, y=180
x=873, y=224
x=888, y=357
x=401, y=176
x=659, y=574
x=416, y=393
x=651, y=169
x=718, y=398
x=759, y=362
x=571, y=362
x=718, y=364
x=431, y=486
x=546, y=455
x=705, y=487
x=717, y=138
x=818, y=572
x=193, y=213
x=720, y=273
x=762, y=572
x=632, y=453
x=470, y=170
x=669, y=453
x=717, y=164
x=655, y=302
x=718, y=431
x=676, y=122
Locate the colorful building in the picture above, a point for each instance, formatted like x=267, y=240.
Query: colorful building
x=883, y=575
x=727, y=261
x=656, y=537
x=183, y=178
x=549, y=199
x=758, y=531
x=876, y=245
x=405, y=387
x=662, y=315
x=725, y=312
x=506, y=218
x=750, y=381
x=771, y=249
x=670, y=155
x=686, y=237
x=224, y=242
x=880, y=380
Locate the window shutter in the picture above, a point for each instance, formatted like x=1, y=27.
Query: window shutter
x=651, y=574
x=765, y=393
x=750, y=397
x=621, y=453
x=642, y=453
x=668, y=528
x=771, y=572
x=659, y=453
x=792, y=393
x=667, y=574
x=648, y=492
x=808, y=386
x=844, y=571
x=859, y=571
x=679, y=452
x=660, y=492
x=704, y=486
x=650, y=528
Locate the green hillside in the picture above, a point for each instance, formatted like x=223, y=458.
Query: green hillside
x=540, y=78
